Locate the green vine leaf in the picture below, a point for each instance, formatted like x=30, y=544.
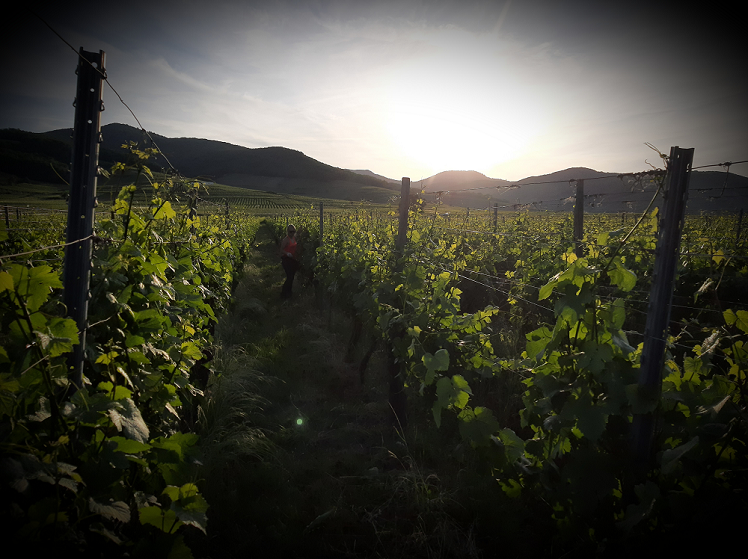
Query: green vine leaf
x=189, y=506
x=116, y=510
x=165, y=520
x=6, y=282
x=595, y=357
x=127, y=418
x=738, y=319
x=477, y=425
x=59, y=337
x=511, y=487
x=671, y=457
x=436, y=362
x=129, y=446
x=591, y=421
x=34, y=285
x=165, y=212
x=514, y=446
x=621, y=276
x=453, y=392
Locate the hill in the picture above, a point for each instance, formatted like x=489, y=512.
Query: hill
x=460, y=180
x=372, y=174
x=277, y=169
x=28, y=156
x=709, y=191
x=44, y=157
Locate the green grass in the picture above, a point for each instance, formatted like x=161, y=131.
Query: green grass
x=34, y=195
x=301, y=460
x=256, y=202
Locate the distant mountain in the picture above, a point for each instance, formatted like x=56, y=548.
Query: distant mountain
x=28, y=156
x=459, y=180
x=41, y=157
x=372, y=174
x=710, y=191
x=272, y=168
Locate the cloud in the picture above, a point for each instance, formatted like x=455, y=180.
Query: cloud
x=162, y=67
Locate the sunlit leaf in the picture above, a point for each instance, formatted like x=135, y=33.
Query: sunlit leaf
x=129, y=446
x=116, y=510
x=622, y=277
x=165, y=521
x=438, y=361
x=738, y=319
x=127, y=418
x=513, y=445
x=165, y=212
x=6, y=282
x=34, y=285
x=59, y=337
x=511, y=488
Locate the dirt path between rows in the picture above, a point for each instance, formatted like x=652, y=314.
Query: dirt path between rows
x=301, y=459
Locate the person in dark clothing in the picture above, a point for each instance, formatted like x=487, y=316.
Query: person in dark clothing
x=290, y=264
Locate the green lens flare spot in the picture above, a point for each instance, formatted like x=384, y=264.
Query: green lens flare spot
x=299, y=421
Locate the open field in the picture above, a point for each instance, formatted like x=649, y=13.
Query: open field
x=212, y=197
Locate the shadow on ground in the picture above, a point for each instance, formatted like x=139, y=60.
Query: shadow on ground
x=301, y=459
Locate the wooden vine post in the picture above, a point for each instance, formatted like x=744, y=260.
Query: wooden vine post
x=737, y=233
x=322, y=301
x=660, y=302
x=579, y=220
x=83, y=171
x=397, y=397
x=192, y=205
x=402, y=229
x=321, y=224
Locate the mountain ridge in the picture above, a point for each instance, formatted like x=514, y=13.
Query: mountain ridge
x=288, y=171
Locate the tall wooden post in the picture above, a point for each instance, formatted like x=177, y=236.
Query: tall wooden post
x=397, y=397
x=579, y=220
x=192, y=204
x=321, y=224
x=737, y=233
x=495, y=216
x=83, y=170
x=660, y=300
x=402, y=229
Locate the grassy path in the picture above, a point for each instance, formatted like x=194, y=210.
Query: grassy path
x=301, y=460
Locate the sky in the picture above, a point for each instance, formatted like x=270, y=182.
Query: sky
x=404, y=88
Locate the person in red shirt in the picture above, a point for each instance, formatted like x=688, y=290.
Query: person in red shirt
x=288, y=260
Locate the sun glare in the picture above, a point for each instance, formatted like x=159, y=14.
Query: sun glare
x=459, y=103
x=443, y=138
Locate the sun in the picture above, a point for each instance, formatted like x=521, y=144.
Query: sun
x=446, y=137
